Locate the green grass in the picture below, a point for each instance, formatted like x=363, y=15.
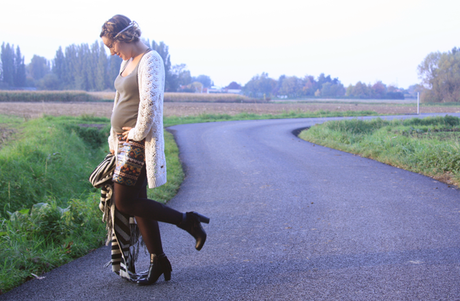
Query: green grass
x=430, y=146
x=169, y=121
x=175, y=172
x=49, y=212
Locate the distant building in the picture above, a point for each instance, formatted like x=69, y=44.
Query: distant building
x=216, y=89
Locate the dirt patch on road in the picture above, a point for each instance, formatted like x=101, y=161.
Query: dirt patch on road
x=34, y=110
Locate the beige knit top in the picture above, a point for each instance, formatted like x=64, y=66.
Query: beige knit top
x=124, y=113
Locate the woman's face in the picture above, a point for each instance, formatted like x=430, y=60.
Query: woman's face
x=123, y=50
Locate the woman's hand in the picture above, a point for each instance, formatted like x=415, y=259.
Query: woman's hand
x=112, y=151
x=126, y=132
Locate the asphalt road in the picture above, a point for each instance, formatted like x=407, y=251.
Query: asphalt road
x=290, y=220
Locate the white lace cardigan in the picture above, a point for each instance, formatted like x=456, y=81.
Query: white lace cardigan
x=149, y=125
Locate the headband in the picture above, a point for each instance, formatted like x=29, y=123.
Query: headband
x=132, y=24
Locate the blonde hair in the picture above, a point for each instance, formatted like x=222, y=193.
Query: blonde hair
x=120, y=28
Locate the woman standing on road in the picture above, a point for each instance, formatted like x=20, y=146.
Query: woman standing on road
x=136, y=136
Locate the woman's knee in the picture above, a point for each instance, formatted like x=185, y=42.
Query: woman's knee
x=122, y=205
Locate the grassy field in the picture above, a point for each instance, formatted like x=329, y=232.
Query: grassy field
x=429, y=146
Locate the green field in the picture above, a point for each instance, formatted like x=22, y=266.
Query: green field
x=429, y=146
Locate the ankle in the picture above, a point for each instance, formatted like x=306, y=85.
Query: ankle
x=154, y=256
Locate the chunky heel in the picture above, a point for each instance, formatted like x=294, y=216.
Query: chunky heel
x=191, y=222
x=167, y=275
x=202, y=218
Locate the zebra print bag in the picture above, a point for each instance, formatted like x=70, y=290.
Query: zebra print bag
x=103, y=173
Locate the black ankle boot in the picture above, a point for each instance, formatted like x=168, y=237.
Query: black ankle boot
x=159, y=264
x=191, y=222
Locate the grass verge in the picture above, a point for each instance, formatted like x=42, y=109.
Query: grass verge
x=173, y=120
x=429, y=146
x=49, y=211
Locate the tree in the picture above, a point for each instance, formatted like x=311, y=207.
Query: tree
x=49, y=82
x=59, y=67
x=204, y=79
x=19, y=69
x=198, y=87
x=331, y=89
x=379, y=89
x=327, y=86
x=309, y=85
x=360, y=90
x=291, y=86
x=102, y=76
x=179, y=76
x=13, y=67
x=440, y=74
x=114, y=68
x=7, y=57
x=414, y=89
x=170, y=78
x=260, y=86
x=279, y=83
x=233, y=86
x=38, y=67
x=183, y=75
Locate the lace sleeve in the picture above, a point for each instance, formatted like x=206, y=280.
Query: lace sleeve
x=150, y=77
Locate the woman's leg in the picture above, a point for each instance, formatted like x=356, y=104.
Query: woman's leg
x=129, y=201
x=127, y=197
x=149, y=228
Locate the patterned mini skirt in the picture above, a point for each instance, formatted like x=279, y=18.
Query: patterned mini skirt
x=130, y=160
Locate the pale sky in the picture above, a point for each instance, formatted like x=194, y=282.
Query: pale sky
x=354, y=40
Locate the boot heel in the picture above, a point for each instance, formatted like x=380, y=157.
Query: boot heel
x=202, y=218
x=191, y=222
x=167, y=275
x=159, y=264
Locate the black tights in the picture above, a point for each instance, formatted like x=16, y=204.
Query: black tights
x=132, y=200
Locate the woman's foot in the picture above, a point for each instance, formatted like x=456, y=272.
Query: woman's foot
x=159, y=264
x=191, y=222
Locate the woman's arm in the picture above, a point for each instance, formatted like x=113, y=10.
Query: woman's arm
x=151, y=76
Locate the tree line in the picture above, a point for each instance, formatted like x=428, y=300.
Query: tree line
x=439, y=73
x=88, y=67
x=262, y=86
x=84, y=67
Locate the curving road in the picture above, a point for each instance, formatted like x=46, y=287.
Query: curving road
x=290, y=220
